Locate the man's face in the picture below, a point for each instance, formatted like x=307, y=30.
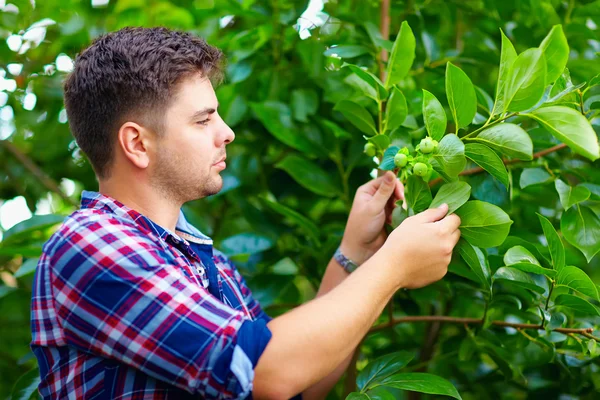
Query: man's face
x=190, y=152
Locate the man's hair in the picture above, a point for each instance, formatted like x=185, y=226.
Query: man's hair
x=131, y=74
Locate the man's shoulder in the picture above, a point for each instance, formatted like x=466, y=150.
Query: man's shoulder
x=90, y=229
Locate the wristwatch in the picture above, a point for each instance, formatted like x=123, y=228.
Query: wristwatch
x=346, y=263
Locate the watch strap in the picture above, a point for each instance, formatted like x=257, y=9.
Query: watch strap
x=347, y=264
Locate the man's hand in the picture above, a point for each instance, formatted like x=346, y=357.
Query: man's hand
x=371, y=210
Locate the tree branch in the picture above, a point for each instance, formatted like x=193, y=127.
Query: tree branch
x=36, y=171
x=587, y=332
x=476, y=170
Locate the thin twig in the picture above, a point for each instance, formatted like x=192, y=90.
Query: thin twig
x=36, y=171
x=475, y=321
x=476, y=170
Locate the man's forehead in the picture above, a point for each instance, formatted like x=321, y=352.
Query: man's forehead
x=195, y=93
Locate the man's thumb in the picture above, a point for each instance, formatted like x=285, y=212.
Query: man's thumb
x=385, y=189
x=434, y=214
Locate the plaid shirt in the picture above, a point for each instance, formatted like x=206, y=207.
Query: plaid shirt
x=125, y=309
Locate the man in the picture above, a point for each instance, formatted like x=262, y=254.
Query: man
x=131, y=302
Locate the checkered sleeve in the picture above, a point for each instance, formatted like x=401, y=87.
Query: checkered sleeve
x=117, y=296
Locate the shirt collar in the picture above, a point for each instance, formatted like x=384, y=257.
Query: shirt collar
x=98, y=201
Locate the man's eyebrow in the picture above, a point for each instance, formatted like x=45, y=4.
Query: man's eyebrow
x=203, y=112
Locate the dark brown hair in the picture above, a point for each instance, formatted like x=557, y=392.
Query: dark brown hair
x=131, y=74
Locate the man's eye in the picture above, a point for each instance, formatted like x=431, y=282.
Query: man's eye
x=204, y=122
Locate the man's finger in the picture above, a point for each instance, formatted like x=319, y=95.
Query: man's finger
x=450, y=223
x=399, y=190
x=385, y=190
x=433, y=214
x=455, y=236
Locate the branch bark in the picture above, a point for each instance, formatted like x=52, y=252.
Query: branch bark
x=36, y=171
x=476, y=170
x=477, y=321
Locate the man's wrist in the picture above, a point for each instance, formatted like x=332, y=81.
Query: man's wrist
x=354, y=253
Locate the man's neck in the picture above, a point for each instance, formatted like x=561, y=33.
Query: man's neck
x=145, y=200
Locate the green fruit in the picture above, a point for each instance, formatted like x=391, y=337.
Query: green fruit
x=420, y=169
x=400, y=160
x=426, y=145
x=370, y=149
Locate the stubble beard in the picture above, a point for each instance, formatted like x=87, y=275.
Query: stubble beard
x=180, y=183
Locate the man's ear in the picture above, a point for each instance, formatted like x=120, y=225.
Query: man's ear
x=134, y=142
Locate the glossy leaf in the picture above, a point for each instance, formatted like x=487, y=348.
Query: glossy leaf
x=434, y=116
x=402, y=56
x=534, y=269
x=26, y=228
x=519, y=254
x=508, y=56
x=581, y=227
x=487, y=159
x=379, y=92
x=245, y=243
x=357, y=396
x=475, y=259
x=382, y=368
x=557, y=249
x=483, y=224
x=556, y=53
x=571, y=128
x=418, y=194
x=298, y=219
x=578, y=280
x=358, y=116
x=461, y=96
x=517, y=277
x=347, y=51
x=576, y=303
x=450, y=156
x=526, y=81
x=454, y=194
x=534, y=176
x=26, y=386
x=387, y=162
x=422, y=383
x=571, y=195
x=309, y=175
x=509, y=139
x=396, y=110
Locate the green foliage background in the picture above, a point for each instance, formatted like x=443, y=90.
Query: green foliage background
x=296, y=162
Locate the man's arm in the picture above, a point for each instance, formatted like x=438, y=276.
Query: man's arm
x=311, y=341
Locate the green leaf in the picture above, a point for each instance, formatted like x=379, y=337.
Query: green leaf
x=475, y=259
x=578, y=280
x=461, y=96
x=487, y=159
x=382, y=368
x=358, y=116
x=483, y=224
x=357, y=396
x=571, y=195
x=450, y=158
x=508, y=56
x=581, y=227
x=556, y=53
x=509, y=139
x=277, y=119
x=402, y=56
x=27, y=268
x=347, y=51
x=434, y=116
x=396, y=110
x=304, y=103
x=398, y=215
x=454, y=194
x=519, y=254
x=382, y=142
x=285, y=266
x=534, y=176
x=374, y=88
x=595, y=81
x=26, y=386
x=557, y=320
x=309, y=227
x=422, y=383
x=24, y=229
x=309, y=175
x=534, y=269
x=576, y=303
x=526, y=81
x=418, y=194
x=570, y=127
x=245, y=243
x=387, y=162
x=557, y=249
x=517, y=277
